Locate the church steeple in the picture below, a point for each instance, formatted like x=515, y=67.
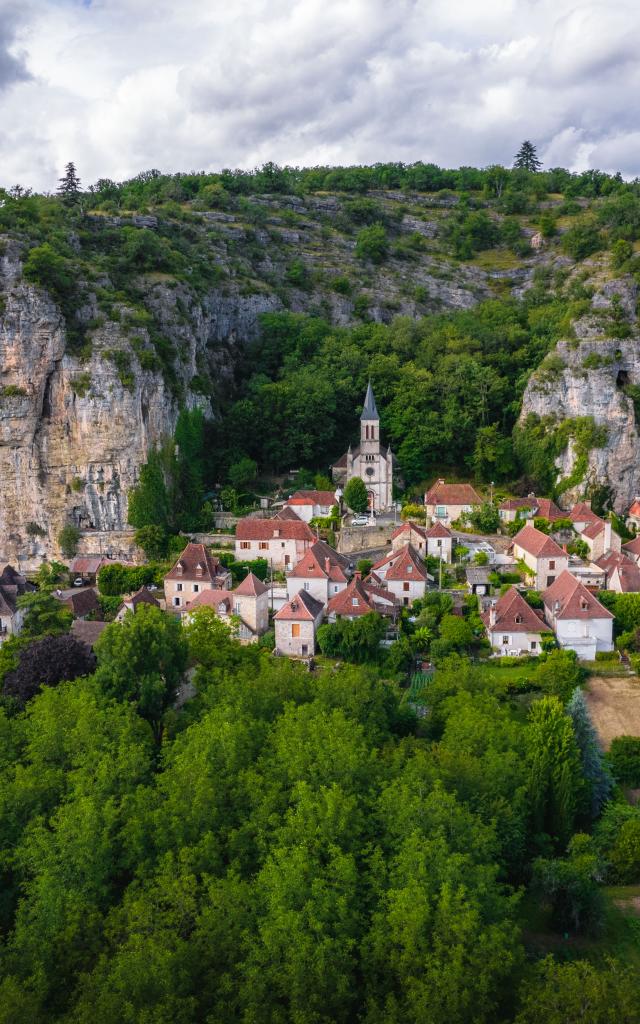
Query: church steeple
x=369, y=411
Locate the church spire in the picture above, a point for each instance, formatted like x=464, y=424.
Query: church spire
x=369, y=411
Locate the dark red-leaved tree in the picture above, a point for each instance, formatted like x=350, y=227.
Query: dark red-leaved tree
x=47, y=662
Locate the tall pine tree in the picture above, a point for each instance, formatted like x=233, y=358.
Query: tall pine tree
x=594, y=769
x=526, y=158
x=69, y=186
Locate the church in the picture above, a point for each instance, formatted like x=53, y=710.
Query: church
x=370, y=461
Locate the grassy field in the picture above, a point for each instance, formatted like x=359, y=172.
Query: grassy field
x=614, y=706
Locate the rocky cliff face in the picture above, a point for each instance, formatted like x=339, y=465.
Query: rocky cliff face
x=72, y=435
x=593, y=375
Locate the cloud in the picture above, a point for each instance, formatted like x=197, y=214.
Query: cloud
x=123, y=85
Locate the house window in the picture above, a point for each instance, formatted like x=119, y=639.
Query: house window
x=405, y=586
x=236, y=608
x=439, y=543
x=441, y=511
x=196, y=588
x=505, y=641
x=354, y=602
x=295, y=629
x=518, y=618
x=405, y=601
x=550, y=580
x=306, y=584
x=178, y=586
x=552, y=564
x=245, y=544
x=335, y=589
x=263, y=545
x=176, y=602
x=305, y=648
x=409, y=568
x=534, y=645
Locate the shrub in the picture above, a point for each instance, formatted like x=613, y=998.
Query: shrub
x=372, y=243
x=621, y=251
x=68, y=539
x=624, y=758
x=582, y=240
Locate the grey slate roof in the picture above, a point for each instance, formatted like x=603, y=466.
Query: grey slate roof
x=369, y=411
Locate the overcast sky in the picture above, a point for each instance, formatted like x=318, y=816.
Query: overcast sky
x=120, y=86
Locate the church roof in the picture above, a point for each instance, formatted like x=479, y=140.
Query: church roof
x=369, y=411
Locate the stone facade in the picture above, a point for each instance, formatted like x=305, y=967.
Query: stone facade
x=370, y=460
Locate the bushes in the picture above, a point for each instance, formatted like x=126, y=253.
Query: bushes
x=624, y=758
x=582, y=240
x=372, y=243
x=117, y=579
x=68, y=539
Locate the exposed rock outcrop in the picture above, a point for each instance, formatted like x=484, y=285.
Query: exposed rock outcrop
x=592, y=375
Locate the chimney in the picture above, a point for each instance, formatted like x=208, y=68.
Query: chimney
x=357, y=576
x=327, y=565
x=607, y=535
x=492, y=615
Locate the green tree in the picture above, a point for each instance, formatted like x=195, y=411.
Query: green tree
x=582, y=240
x=554, y=771
x=485, y=518
x=558, y=674
x=153, y=541
x=142, y=659
x=355, y=495
x=572, y=993
x=526, y=158
x=570, y=887
x=148, y=500
x=44, y=615
x=594, y=769
x=372, y=243
x=69, y=186
x=621, y=251
x=242, y=473
x=68, y=539
x=188, y=486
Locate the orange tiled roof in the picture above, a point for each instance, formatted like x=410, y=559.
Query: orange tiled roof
x=573, y=599
x=197, y=564
x=452, y=494
x=274, y=529
x=514, y=614
x=303, y=606
x=537, y=543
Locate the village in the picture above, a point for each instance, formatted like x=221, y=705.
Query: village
x=539, y=581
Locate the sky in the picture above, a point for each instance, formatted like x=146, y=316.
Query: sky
x=121, y=86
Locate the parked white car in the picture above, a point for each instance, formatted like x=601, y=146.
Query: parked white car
x=360, y=521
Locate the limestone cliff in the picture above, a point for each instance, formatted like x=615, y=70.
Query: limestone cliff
x=73, y=435
x=593, y=375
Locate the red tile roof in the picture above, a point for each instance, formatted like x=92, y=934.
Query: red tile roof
x=548, y=509
x=514, y=614
x=407, y=565
x=573, y=600
x=537, y=543
x=303, y=606
x=88, y=632
x=594, y=529
x=82, y=602
x=611, y=559
x=312, y=498
x=360, y=598
x=215, y=599
x=251, y=586
x=513, y=504
x=452, y=494
x=628, y=574
x=438, y=530
x=635, y=508
x=582, y=512
x=89, y=564
x=320, y=561
x=407, y=528
x=274, y=529
x=287, y=513
x=196, y=563
x=632, y=547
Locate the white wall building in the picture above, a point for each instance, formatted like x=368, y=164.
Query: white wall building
x=580, y=622
x=369, y=461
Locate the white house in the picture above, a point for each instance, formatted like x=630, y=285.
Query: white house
x=309, y=505
x=195, y=570
x=444, y=503
x=544, y=558
x=403, y=574
x=440, y=542
x=513, y=627
x=296, y=625
x=247, y=605
x=321, y=571
x=282, y=542
x=369, y=461
x=600, y=538
x=580, y=622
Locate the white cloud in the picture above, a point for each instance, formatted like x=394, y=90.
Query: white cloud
x=123, y=85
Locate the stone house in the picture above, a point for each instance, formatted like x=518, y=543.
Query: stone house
x=321, y=571
x=513, y=627
x=81, y=603
x=632, y=550
x=131, y=602
x=360, y=598
x=600, y=538
x=478, y=581
x=12, y=586
x=309, y=505
x=544, y=559
x=194, y=571
x=370, y=460
x=403, y=574
x=580, y=622
x=445, y=503
x=410, y=533
x=633, y=515
x=529, y=508
x=624, y=577
x=247, y=605
x=581, y=515
x=296, y=626
x=282, y=542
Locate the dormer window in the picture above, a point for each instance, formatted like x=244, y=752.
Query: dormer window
x=180, y=568
x=276, y=533
x=409, y=568
x=354, y=602
x=199, y=569
x=584, y=604
x=518, y=618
